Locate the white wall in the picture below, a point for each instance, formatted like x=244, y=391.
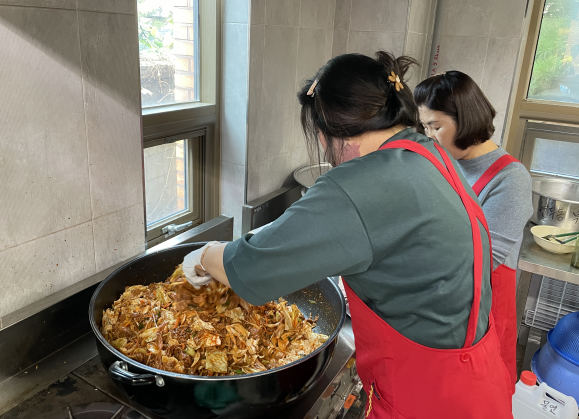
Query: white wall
x=71, y=188
x=481, y=38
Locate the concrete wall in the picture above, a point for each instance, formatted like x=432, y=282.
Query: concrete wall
x=482, y=38
x=70, y=145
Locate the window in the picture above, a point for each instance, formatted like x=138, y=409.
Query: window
x=555, y=74
x=168, y=49
x=179, y=90
x=543, y=126
x=173, y=185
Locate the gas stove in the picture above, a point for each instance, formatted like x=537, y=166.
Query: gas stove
x=88, y=393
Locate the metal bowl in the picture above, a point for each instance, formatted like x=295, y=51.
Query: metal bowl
x=556, y=202
x=307, y=175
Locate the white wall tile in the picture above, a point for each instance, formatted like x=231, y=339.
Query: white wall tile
x=255, y=145
x=40, y=267
x=398, y=19
x=274, y=173
x=379, y=15
x=282, y=12
x=468, y=17
x=119, y=236
x=499, y=69
x=340, y=43
x=342, y=17
x=234, y=93
x=253, y=180
x=278, y=95
x=466, y=54
x=257, y=12
x=235, y=11
x=110, y=6
x=311, y=54
x=109, y=51
x=43, y=158
x=314, y=14
x=57, y=4
x=233, y=193
x=507, y=19
x=369, y=43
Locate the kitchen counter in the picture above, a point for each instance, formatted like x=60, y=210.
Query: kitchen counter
x=535, y=259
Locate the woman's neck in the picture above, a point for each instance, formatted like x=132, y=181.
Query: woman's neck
x=480, y=150
x=368, y=143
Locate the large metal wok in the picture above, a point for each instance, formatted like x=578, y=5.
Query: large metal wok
x=179, y=396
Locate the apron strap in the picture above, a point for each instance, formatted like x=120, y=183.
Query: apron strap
x=454, y=180
x=492, y=171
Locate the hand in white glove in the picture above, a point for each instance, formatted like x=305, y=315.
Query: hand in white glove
x=193, y=268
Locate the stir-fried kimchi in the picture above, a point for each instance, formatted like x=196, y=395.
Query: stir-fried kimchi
x=208, y=331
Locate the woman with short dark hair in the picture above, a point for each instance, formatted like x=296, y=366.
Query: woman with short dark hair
x=403, y=229
x=455, y=112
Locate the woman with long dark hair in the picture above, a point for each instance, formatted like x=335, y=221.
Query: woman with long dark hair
x=402, y=227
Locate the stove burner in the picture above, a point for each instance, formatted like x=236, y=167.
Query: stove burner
x=100, y=410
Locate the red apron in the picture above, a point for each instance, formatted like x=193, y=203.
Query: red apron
x=406, y=380
x=503, y=280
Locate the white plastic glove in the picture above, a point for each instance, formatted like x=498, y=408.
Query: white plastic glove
x=193, y=268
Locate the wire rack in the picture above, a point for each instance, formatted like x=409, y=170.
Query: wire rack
x=556, y=299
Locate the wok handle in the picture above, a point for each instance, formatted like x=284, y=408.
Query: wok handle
x=119, y=370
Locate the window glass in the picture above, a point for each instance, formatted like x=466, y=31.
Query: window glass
x=166, y=181
x=168, y=51
x=556, y=157
x=555, y=74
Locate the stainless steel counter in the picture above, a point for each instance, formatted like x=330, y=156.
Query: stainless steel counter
x=535, y=260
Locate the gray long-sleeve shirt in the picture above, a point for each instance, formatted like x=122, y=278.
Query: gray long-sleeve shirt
x=506, y=202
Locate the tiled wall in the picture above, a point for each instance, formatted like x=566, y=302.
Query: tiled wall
x=482, y=38
x=70, y=146
x=289, y=41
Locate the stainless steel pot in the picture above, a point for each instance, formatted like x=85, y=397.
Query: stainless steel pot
x=179, y=396
x=555, y=202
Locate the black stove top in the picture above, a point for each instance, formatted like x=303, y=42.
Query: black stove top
x=88, y=393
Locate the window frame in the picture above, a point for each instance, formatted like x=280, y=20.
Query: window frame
x=521, y=109
x=161, y=123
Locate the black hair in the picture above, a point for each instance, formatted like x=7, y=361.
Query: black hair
x=354, y=96
x=458, y=96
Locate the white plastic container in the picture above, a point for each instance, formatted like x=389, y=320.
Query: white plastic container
x=538, y=402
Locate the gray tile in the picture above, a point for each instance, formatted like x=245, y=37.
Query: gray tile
x=415, y=47
x=257, y=12
x=499, y=124
x=119, y=236
x=282, y=12
x=110, y=60
x=369, y=42
x=274, y=173
x=467, y=18
x=462, y=53
x=508, y=18
x=234, y=93
x=499, y=70
x=255, y=145
x=329, y=44
x=233, y=193
x=43, y=166
x=311, y=54
x=332, y=13
x=57, y=4
x=253, y=181
x=235, y=11
x=314, y=14
x=111, y=6
x=45, y=265
x=278, y=94
x=420, y=15
x=379, y=15
x=340, y=43
x=342, y=16
x=299, y=158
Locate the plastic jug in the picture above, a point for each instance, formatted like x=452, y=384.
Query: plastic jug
x=537, y=402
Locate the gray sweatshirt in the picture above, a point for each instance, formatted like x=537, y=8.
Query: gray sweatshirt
x=506, y=202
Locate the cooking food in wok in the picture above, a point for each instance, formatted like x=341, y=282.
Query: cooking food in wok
x=208, y=331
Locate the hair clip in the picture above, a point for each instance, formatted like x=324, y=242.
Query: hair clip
x=312, y=87
x=396, y=80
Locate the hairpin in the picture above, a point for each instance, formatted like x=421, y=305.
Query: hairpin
x=312, y=87
x=396, y=80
